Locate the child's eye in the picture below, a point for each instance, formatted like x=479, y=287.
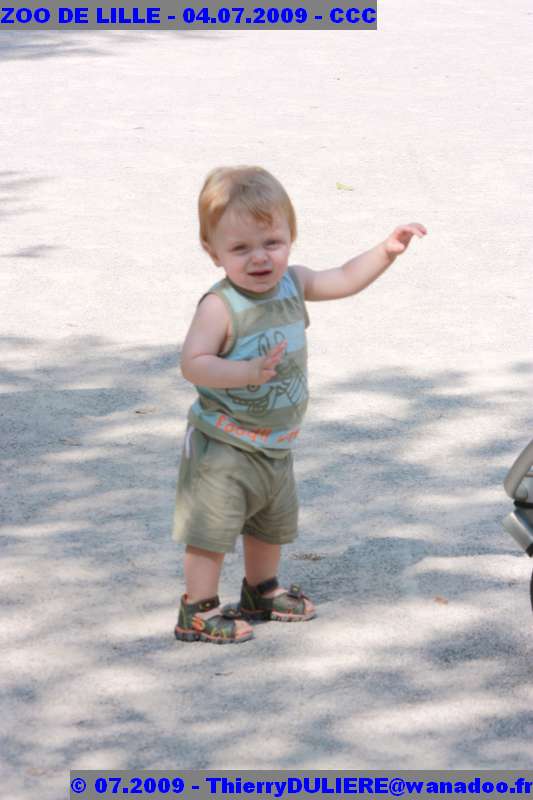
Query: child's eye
x=272, y=243
x=240, y=248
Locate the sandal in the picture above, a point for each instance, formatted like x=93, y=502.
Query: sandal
x=220, y=629
x=286, y=607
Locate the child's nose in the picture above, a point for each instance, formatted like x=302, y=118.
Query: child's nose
x=259, y=256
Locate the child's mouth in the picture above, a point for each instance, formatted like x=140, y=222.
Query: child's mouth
x=261, y=273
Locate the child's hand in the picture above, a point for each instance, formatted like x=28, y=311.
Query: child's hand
x=262, y=369
x=399, y=239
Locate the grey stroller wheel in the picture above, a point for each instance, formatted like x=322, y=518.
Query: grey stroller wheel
x=518, y=484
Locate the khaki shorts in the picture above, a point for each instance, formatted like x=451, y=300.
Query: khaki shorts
x=223, y=492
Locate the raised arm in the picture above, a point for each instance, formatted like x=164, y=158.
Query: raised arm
x=359, y=272
x=200, y=362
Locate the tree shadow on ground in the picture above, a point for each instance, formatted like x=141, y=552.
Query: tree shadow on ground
x=13, y=186
x=420, y=656
x=36, y=45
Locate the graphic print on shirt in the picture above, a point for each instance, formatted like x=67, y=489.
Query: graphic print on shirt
x=290, y=382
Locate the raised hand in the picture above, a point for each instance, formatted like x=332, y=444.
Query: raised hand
x=399, y=239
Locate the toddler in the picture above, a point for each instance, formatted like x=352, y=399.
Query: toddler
x=246, y=354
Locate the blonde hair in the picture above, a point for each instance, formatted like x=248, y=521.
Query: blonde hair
x=248, y=189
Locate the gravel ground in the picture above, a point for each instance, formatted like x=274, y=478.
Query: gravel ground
x=421, y=385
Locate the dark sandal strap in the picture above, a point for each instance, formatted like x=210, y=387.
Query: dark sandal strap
x=267, y=586
x=231, y=611
x=203, y=605
x=291, y=603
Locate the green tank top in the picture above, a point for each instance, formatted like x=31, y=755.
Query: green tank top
x=268, y=417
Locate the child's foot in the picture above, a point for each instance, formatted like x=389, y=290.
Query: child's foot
x=268, y=600
x=206, y=621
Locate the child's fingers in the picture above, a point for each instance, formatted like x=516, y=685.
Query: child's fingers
x=271, y=361
x=415, y=228
x=279, y=349
x=275, y=355
x=268, y=362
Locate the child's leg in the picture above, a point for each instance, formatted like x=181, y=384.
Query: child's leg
x=202, y=573
x=261, y=562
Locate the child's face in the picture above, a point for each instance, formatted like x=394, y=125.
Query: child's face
x=254, y=255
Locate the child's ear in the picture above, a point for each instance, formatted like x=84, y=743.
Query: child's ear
x=210, y=251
